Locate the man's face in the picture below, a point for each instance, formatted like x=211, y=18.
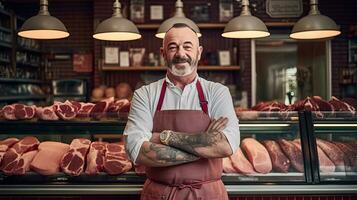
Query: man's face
x=181, y=51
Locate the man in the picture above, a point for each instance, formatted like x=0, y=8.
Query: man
x=180, y=127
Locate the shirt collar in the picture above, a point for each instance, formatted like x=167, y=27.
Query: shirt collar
x=171, y=84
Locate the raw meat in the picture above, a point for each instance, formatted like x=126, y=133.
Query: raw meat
x=100, y=108
x=66, y=110
x=95, y=158
x=5, y=145
x=227, y=165
x=46, y=113
x=13, y=162
x=257, y=155
x=322, y=104
x=351, y=156
x=47, y=160
x=351, y=101
x=334, y=153
x=9, y=112
x=280, y=162
x=240, y=163
x=84, y=110
x=116, y=108
x=341, y=106
x=140, y=170
x=293, y=153
x=73, y=161
x=23, y=164
x=116, y=160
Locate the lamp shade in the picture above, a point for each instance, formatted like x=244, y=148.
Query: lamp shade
x=178, y=18
x=43, y=26
x=315, y=25
x=246, y=25
x=116, y=28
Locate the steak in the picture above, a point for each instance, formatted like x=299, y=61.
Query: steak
x=240, y=163
x=293, y=153
x=66, y=110
x=47, y=160
x=23, y=164
x=13, y=160
x=73, y=161
x=84, y=110
x=280, y=162
x=5, y=145
x=341, y=106
x=46, y=113
x=116, y=160
x=116, y=108
x=100, y=108
x=95, y=158
x=336, y=155
x=257, y=155
x=9, y=112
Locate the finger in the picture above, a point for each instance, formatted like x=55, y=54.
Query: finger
x=211, y=124
x=223, y=124
x=217, y=123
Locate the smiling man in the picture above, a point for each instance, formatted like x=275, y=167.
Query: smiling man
x=180, y=127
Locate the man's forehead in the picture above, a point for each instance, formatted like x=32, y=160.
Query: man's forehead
x=182, y=34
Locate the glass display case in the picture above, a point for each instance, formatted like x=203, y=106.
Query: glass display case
x=334, y=147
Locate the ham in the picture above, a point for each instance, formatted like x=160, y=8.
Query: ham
x=95, y=158
x=47, y=160
x=279, y=161
x=240, y=163
x=257, y=155
x=73, y=161
x=293, y=153
x=336, y=155
x=116, y=160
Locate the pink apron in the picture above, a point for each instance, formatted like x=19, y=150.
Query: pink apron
x=196, y=180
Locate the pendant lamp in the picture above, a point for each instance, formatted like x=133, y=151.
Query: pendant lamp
x=179, y=17
x=43, y=25
x=245, y=25
x=116, y=28
x=315, y=25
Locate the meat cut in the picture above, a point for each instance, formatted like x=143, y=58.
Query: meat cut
x=73, y=161
x=257, y=155
x=46, y=113
x=95, y=158
x=279, y=161
x=66, y=110
x=341, y=106
x=84, y=110
x=293, y=153
x=18, y=111
x=334, y=153
x=23, y=164
x=47, y=160
x=98, y=111
x=116, y=160
x=240, y=163
x=13, y=160
x=227, y=165
x=116, y=108
x=350, y=155
x=5, y=145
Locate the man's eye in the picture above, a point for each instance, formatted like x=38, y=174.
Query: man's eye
x=187, y=47
x=172, y=48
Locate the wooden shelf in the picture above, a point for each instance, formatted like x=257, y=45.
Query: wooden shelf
x=22, y=97
x=217, y=25
x=5, y=44
x=4, y=61
x=19, y=64
x=149, y=68
x=5, y=29
x=23, y=48
x=15, y=80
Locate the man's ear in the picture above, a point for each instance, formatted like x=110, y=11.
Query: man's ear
x=162, y=52
x=200, y=50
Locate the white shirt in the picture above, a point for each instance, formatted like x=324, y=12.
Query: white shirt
x=140, y=121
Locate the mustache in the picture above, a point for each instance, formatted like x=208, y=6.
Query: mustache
x=178, y=59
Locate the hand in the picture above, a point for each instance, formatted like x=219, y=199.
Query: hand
x=217, y=125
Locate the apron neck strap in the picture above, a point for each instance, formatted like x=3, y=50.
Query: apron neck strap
x=201, y=96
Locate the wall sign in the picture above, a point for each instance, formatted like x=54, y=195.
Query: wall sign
x=284, y=8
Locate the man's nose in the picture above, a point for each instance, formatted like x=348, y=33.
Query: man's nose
x=180, y=51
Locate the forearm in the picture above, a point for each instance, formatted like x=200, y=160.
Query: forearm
x=158, y=155
x=208, y=144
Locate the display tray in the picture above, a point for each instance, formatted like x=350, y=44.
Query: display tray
x=293, y=177
x=61, y=178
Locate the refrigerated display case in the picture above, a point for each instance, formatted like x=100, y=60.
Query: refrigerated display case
x=279, y=128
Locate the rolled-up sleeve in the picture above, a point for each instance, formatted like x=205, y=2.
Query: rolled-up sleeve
x=139, y=126
x=222, y=106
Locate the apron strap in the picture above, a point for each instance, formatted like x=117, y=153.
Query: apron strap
x=162, y=96
x=201, y=96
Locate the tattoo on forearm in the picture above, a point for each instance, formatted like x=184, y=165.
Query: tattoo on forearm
x=165, y=155
x=190, y=142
